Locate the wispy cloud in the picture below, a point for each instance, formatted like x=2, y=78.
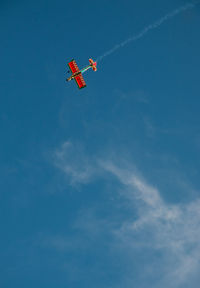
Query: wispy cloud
x=71, y=159
x=173, y=230
x=169, y=232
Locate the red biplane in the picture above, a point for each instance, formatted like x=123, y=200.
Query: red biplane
x=77, y=73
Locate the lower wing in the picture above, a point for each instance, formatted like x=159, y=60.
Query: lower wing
x=80, y=81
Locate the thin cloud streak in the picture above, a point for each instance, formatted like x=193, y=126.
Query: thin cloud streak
x=173, y=230
x=72, y=161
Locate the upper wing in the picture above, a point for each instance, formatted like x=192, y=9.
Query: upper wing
x=73, y=66
x=80, y=81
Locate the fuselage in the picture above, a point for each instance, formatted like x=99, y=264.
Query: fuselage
x=79, y=72
x=73, y=76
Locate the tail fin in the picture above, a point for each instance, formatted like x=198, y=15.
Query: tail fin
x=93, y=65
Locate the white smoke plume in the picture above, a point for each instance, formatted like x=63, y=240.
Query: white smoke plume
x=148, y=28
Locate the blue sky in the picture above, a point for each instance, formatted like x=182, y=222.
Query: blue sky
x=99, y=187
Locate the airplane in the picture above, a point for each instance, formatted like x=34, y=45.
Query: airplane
x=77, y=73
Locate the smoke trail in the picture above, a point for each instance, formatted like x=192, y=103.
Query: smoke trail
x=148, y=28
